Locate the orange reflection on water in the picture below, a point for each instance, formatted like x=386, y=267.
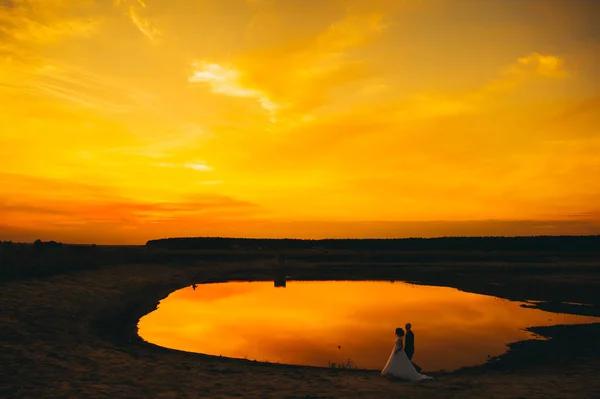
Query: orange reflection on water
x=313, y=323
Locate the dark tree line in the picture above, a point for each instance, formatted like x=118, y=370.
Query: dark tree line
x=40, y=259
x=537, y=243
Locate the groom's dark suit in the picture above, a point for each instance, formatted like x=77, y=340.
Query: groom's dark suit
x=409, y=346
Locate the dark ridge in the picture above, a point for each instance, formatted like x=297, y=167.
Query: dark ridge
x=44, y=259
x=536, y=243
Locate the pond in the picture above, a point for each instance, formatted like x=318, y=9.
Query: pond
x=322, y=322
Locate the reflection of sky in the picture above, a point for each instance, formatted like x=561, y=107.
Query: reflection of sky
x=307, y=321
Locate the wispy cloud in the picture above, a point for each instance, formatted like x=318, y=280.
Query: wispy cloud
x=57, y=194
x=84, y=89
x=88, y=213
x=583, y=112
x=303, y=73
x=540, y=65
x=306, y=74
x=199, y=166
x=397, y=121
x=140, y=2
x=352, y=31
x=512, y=77
x=142, y=24
x=591, y=215
x=228, y=81
x=148, y=29
x=22, y=21
x=428, y=106
x=527, y=68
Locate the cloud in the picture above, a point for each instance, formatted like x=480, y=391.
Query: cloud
x=591, y=215
x=540, y=65
x=35, y=22
x=352, y=31
x=305, y=73
x=514, y=76
x=140, y=2
x=228, y=81
x=400, y=229
x=79, y=89
x=423, y=129
x=526, y=69
x=31, y=73
x=64, y=206
x=580, y=120
x=148, y=29
x=199, y=166
x=77, y=86
x=27, y=30
x=300, y=73
x=142, y=24
x=180, y=138
x=430, y=106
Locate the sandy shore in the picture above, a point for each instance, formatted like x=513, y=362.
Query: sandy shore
x=74, y=335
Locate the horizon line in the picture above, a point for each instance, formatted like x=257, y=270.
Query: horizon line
x=311, y=239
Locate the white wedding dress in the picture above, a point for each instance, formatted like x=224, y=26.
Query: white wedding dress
x=398, y=365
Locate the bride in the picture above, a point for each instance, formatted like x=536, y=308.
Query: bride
x=398, y=365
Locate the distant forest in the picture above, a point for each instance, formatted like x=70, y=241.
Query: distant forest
x=538, y=243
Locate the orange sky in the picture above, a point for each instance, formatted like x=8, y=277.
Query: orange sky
x=130, y=120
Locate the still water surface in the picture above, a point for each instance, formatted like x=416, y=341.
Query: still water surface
x=314, y=323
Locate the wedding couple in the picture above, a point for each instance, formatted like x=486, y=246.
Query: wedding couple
x=399, y=364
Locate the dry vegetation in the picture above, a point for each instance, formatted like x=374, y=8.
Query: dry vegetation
x=71, y=333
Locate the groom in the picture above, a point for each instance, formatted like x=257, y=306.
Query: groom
x=409, y=345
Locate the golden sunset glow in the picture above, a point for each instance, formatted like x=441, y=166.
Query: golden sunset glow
x=305, y=322
x=128, y=120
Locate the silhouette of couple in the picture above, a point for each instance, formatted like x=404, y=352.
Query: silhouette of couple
x=400, y=363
